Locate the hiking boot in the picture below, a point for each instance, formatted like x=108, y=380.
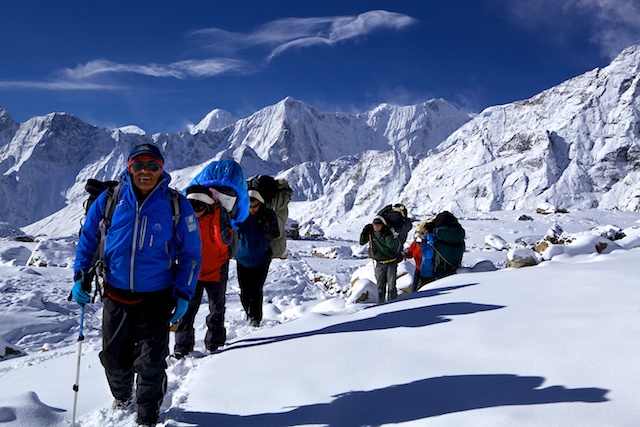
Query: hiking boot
x=141, y=422
x=122, y=404
x=180, y=352
x=178, y=355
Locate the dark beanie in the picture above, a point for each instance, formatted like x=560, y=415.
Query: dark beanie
x=146, y=150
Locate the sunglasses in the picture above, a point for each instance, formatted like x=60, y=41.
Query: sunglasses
x=254, y=205
x=198, y=206
x=151, y=166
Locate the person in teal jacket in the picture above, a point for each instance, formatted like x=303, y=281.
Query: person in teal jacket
x=386, y=253
x=152, y=266
x=449, y=244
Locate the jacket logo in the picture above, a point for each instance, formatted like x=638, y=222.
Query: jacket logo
x=192, y=224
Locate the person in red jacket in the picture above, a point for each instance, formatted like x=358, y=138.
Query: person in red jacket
x=216, y=236
x=415, y=251
x=421, y=250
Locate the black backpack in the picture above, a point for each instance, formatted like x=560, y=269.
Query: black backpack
x=95, y=187
x=266, y=185
x=396, y=217
x=445, y=218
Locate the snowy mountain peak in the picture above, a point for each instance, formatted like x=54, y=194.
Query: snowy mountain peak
x=576, y=145
x=8, y=127
x=215, y=120
x=131, y=129
x=419, y=128
x=631, y=54
x=4, y=115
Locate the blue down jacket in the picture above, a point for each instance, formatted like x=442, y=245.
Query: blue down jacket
x=255, y=234
x=141, y=252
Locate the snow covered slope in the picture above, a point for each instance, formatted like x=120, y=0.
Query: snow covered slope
x=576, y=145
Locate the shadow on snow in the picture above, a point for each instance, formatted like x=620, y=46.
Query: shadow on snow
x=432, y=397
x=406, y=318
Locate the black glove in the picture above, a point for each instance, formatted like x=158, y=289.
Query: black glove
x=368, y=229
x=225, y=226
x=85, y=279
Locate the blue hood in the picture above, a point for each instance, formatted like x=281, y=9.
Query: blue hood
x=227, y=173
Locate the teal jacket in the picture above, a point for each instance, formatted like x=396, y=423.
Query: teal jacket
x=384, y=247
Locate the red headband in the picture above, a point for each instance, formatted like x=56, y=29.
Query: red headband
x=144, y=158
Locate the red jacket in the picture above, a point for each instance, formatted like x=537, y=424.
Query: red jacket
x=215, y=252
x=414, y=252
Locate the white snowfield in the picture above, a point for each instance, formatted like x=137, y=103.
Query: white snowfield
x=550, y=345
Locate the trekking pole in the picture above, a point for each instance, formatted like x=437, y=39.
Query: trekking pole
x=76, y=386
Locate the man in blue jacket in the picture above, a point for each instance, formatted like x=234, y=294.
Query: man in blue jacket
x=151, y=266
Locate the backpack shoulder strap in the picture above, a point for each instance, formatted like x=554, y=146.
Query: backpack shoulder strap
x=113, y=195
x=175, y=210
x=175, y=207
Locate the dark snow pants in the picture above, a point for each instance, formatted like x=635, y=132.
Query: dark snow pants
x=216, y=334
x=415, y=285
x=425, y=280
x=135, y=340
x=251, y=281
x=386, y=279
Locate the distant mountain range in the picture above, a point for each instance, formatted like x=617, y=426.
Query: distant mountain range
x=576, y=145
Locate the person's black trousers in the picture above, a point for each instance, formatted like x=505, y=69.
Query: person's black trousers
x=135, y=340
x=216, y=335
x=251, y=281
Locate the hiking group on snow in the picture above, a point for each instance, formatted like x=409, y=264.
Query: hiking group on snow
x=437, y=247
x=151, y=252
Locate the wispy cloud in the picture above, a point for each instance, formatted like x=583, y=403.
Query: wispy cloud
x=178, y=70
x=611, y=24
x=86, y=76
x=284, y=34
x=56, y=85
x=273, y=38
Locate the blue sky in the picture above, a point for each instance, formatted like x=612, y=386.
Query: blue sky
x=162, y=65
